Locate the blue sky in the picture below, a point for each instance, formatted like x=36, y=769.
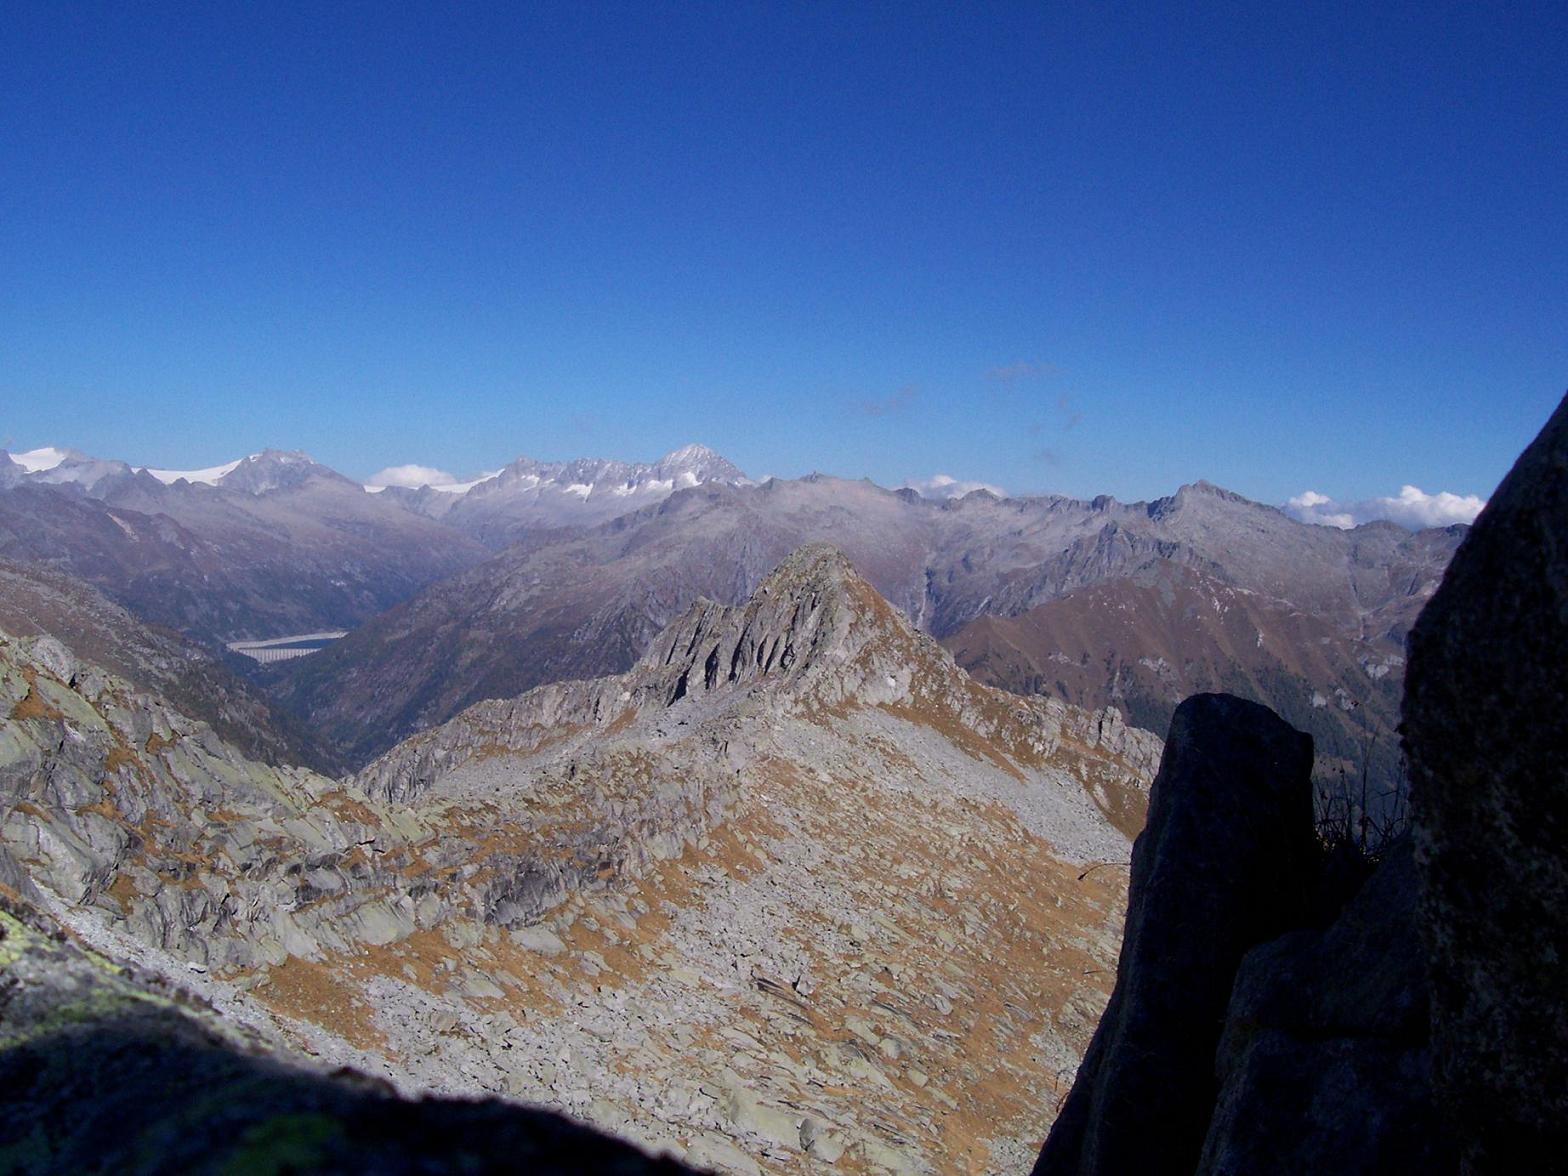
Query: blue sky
x=1081, y=248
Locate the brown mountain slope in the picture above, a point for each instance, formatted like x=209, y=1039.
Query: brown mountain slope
x=1146, y=642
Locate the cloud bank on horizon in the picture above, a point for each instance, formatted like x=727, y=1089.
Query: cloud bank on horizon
x=943, y=486
x=1413, y=508
x=411, y=476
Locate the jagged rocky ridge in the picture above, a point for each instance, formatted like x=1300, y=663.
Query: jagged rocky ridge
x=755, y=902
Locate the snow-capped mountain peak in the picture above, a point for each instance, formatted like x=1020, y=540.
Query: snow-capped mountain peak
x=210, y=476
x=531, y=493
x=692, y=465
x=36, y=461
x=585, y=477
x=273, y=469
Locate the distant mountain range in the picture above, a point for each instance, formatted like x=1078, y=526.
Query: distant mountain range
x=1328, y=609
x=531, y=495
x=550, y=570
x=267, y=546
x=497, y=508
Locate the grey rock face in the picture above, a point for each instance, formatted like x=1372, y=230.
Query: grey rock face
x=1225, y=863
x=1324, y=1062
x=1486, y=731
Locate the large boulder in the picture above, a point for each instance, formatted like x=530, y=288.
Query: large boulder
x=1226, y=862
x=1486, y=732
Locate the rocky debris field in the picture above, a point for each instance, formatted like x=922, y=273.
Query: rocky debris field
x=107, y=1069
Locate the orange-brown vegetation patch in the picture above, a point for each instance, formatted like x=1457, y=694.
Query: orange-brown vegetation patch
x=102, y=808
x=156, y=743
x=546, y=737
x=1110, y=785
x=119, y=757
x=620, y=723
x=1030, y=966
x=31, y=705
x=727, y=851
x=123, y=891
x=332, y=993
x=423, y=958
x=318, y=992
x=616, y=946
x=349, y=808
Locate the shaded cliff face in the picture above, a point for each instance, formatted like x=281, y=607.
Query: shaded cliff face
x=1486, y=725
x=1221, y=866
x=791, y=891
x=1324, y=1062
x=1422, y=1028
x=1256, y=1026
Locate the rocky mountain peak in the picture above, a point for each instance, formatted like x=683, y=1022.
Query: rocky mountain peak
x=701, y=463
x=1194, y=495
x=803, y=616
x=691, y=465
x=275, y=469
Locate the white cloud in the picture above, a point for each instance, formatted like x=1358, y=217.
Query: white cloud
x=942, y=486
x=412, y=476
x=1413, y=508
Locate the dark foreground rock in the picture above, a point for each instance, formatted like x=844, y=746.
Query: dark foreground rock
x=1226, y=862
x=1486, y=732
x=1324, y=1060
x=101, y=1073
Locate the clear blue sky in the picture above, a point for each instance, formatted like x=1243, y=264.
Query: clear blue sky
x=1053, y=246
